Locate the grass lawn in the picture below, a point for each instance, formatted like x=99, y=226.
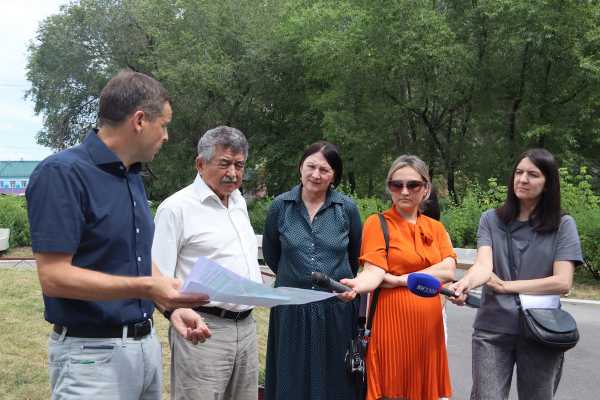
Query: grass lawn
x=17, y=252
x=24, y=335
x=585, y=286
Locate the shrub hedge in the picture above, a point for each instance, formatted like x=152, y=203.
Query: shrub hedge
x=258, y=209
x=461, y=220
x=13, y=215
x=577, y=199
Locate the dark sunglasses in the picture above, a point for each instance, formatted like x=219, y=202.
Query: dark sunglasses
x=411, y=186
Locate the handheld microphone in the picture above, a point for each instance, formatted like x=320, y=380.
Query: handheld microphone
x=323, y=281
x=425, y=285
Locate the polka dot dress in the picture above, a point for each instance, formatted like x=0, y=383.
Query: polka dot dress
x=307, y=343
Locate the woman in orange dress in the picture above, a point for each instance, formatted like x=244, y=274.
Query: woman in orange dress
x=406, y=355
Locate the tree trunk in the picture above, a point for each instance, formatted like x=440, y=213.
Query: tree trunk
x=450, y=183
x=516, y=104
x=352, y=181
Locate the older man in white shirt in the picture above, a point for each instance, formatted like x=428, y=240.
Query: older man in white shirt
x=209, y=218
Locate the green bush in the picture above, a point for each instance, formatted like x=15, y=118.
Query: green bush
x=13, y=215
x=370, y=205
x=579, y=200
x=257, y=209
x=588, y=225
x=576, y=191
x=461, y=220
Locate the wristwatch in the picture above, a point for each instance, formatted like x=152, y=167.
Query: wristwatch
x=167, y=314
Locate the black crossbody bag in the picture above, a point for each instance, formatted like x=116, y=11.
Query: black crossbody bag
x=552, y=327
x=354, y=360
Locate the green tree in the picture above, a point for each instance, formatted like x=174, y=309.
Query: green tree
x=73, y=56
x=390, y=78
x=465, y=85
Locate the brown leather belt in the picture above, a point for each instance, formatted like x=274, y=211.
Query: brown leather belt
x=221, y=312
x=136, y=331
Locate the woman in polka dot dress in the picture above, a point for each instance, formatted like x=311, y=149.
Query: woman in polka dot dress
x=311, y=228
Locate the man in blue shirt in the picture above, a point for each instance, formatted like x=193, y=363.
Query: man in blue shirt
x=91, y=233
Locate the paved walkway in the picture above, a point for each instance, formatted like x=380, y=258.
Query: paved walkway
x=581, y=373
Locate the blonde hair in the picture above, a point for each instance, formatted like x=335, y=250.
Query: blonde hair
x=414, y=162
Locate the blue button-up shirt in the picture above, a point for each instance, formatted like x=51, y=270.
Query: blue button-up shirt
x=83, y=201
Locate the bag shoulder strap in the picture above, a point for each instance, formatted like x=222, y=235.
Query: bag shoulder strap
x=511, y=261
x=386, y=234
x=512, y=268
x=386, y=238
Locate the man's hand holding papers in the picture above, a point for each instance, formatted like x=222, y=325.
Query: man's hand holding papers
x=222, y=285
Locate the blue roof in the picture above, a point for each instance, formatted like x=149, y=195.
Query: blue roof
x=17, y=169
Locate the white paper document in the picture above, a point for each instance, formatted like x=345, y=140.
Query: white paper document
x=220, y=284
x=539, y=301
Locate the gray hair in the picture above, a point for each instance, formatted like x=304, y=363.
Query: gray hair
x=408, y=160
x=224, y=136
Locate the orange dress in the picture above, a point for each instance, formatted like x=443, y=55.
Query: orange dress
x=406, y=356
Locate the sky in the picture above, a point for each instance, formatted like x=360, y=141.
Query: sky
x=19, y=21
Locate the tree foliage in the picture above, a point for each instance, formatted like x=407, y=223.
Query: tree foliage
x=467, y=85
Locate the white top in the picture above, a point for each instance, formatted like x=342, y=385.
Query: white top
x=194, y=222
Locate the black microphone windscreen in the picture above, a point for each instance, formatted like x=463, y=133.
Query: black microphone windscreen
x=319, y=279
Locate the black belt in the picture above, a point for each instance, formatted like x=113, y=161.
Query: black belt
x=136, y=331
x=221, y=312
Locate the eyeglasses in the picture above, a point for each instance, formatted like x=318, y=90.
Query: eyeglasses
x=411, y=186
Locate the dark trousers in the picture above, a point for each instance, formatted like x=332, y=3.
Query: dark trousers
x=495, y=355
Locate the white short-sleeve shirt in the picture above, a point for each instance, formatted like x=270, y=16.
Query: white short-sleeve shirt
x=194, y=222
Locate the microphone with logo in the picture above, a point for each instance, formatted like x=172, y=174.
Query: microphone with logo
x=325, y=282
x=425, y=285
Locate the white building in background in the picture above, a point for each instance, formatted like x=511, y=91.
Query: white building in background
x=14, y=176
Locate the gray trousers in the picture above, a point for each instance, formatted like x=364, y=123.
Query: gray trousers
x=539, y=369
x=105, y=369
x=223, y=367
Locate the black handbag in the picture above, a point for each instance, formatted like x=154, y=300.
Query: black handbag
x=354, y=359
x=356, y=353
x=552, y=327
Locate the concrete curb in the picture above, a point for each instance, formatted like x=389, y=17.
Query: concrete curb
x=579, y=301
x=562, y=299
